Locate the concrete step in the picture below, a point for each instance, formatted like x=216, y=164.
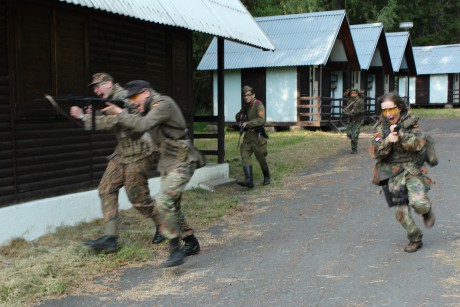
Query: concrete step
x=212, y=184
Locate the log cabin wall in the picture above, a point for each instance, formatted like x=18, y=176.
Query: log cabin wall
x=52, y=47
x=7, y=162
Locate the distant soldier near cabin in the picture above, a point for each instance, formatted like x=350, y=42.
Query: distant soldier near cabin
x=128, y=166
x=355, y=112
x=402, y=149
x=178, y=160
x=252, y=119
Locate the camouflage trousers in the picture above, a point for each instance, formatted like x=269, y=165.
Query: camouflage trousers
x=255, y=144
x=168, y=202
x=414, y=193
x=134, y=177
x=353, y=129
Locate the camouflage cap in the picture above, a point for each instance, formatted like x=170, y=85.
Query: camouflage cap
x=136, y=86
x=247, y=88
x=100, y=77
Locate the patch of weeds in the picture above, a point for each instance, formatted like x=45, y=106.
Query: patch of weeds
x=5, y=293
x=131, y=253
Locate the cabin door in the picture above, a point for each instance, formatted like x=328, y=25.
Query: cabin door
x=456, y=89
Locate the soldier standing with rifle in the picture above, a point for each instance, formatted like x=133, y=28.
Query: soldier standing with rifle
x=128, y=166
x=401, y=150
x=252, y=120
x=355, y=112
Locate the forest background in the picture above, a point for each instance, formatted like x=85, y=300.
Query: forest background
x=436, y=22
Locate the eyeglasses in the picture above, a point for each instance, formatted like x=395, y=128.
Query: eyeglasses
x=391, y=111
x=247, y=95
x=135, y=96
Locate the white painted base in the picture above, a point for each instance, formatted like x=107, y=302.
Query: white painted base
x=33, y=219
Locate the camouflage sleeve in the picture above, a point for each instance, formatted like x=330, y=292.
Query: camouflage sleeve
x=379, y=148
x=259, y=120
x=412, y=140
x=160, y=112
x=103, y=122
x=359, y=107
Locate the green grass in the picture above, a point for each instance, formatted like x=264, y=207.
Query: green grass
x=437, y=113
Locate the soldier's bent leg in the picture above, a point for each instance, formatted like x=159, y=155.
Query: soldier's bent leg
x=172, y=186
x=354, y=146
x=418, y=198
x=111, y=183
x=260, y=152
x=414, y=234
x=354, y=136
x=137, y=186
x=137, y=189
x=191, y=244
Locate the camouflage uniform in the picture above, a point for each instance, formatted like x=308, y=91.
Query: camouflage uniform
x=253, y=140
x=401, y=166
x=355, y=112
x=128, y=166
x=178, y=159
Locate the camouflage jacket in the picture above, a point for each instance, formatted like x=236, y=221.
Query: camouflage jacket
x=168, y=129
x=408, y=154
x=131, y=146
x=355, y=109
x=255, y=115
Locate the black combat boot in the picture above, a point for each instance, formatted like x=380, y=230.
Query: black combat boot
x=248, y=175
x=191, y=245
x=177, y=255
x=158, y=238
x=106, y=244
x=266, y=177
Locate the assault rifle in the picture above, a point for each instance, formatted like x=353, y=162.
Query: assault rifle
x=80, y=101
x=397, y=128
x=243, y=118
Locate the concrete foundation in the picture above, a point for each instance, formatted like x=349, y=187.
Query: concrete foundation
x=35, y=218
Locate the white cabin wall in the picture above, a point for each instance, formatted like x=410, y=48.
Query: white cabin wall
x=232, y=94
x=281, y=93
x=438, y=88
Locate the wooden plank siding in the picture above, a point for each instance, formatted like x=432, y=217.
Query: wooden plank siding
x=257, y=79
x=422, y=92
x=52, y=47
x=7, y=178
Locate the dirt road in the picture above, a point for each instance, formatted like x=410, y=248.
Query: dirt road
x=326, y=239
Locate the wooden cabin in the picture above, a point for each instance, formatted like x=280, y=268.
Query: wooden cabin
x=374, y=59
x=403, y=63
x=438, y=73
x=297, y=82
x=54, y=47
